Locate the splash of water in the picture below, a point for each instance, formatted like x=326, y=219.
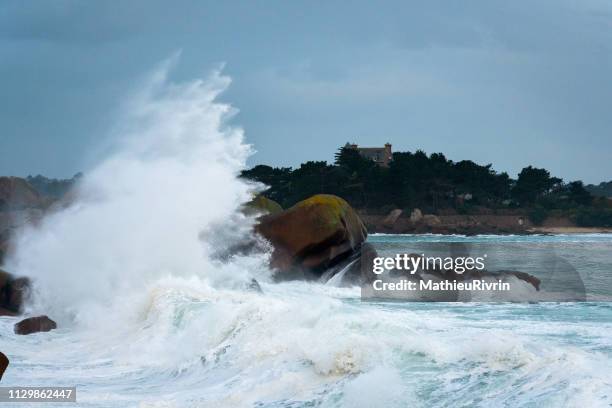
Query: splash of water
x=155, y=207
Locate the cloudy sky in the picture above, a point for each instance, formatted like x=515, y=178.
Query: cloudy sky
x=511, y=83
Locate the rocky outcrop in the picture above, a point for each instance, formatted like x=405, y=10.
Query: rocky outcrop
x=416, y=215
x=16, y=193
x=4, y=362
x=13, y=293
x=419, y=223
x=392, y=217
x=431, y=220
x=312, y=235
x=262, y=204
x=35, y=325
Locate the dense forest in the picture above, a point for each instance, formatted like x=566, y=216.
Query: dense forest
x=433, y=183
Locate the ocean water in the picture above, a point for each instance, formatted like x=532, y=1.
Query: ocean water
x=154, y=311
x=310, y=344
x=576, y=267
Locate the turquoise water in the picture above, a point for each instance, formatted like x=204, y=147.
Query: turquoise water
x=184, y=342
x=578, y=267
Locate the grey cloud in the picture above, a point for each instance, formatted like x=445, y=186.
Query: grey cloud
x=511, y=83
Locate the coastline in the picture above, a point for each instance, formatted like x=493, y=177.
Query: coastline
x=482, y=224
x=570, y=230
x=582, y=231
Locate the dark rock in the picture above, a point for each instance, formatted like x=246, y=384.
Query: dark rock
x=18, y=294
x=5, y=278
x=6, y=312
x=35, y=325
x=4, y=362
x=525, y=277
x=254, y=286
x=360, y=267
x=13, y=293
x=313, y=235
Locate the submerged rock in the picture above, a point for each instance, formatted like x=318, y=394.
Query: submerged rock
x=524, y=276
x=35, y=325
x=254, y=286
x=312, y=235
x=4, y=362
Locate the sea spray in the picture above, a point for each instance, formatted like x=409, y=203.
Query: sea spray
x=165, y=197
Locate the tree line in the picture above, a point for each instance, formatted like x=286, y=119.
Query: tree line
x=432, y=183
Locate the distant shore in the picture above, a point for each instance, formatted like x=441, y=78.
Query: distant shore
x=569, y=230
x=489, y=224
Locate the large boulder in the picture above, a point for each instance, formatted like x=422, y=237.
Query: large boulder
x=313, y=234
x=4, y=362
x=35, y=325
x=13, y=293
x=431, y=220
x=16, y=193
x=416, y=215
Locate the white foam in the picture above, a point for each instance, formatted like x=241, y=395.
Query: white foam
x=154, y=207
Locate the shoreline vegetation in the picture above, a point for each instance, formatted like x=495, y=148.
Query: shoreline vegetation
x=412, y=193
x=420, y=193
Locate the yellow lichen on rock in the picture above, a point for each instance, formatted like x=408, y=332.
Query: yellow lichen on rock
x=314, y=233
x=263, y=204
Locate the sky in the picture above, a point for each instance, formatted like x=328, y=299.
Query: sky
x=512, y=83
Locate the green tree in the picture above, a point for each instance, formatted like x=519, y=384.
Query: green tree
x=532, y=184
x=578, y=194
x=431, y=183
